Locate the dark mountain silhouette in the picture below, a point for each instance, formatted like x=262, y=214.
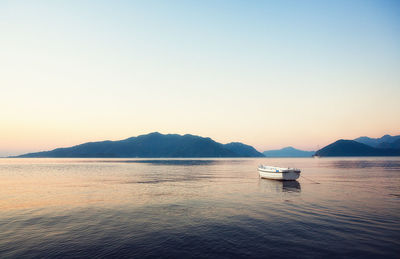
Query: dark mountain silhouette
x=383, y=142
x=288, y=152
x=354, y=148
x=395, y=144
x=154, y=145
x=243, y=149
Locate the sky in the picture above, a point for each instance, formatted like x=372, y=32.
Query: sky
x=267, y=73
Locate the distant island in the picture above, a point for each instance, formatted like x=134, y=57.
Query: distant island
x=363, y=146
x=288, y=152
x=386, y=145
x=154, y=145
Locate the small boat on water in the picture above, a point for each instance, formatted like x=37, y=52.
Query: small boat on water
x=278, y=173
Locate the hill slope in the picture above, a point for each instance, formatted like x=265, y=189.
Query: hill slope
x=288, y=152
x=395, y=144
x=383, y=142
x=153, y=145
x=354, y=148
x=243, y=149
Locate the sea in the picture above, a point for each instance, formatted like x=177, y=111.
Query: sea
x=199, y=208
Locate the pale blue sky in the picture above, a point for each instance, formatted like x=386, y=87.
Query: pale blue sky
x=267, y=73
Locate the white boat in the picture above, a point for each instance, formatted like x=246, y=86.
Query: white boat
x=278, y=173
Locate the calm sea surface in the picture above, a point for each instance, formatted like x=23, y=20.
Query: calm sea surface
x=347, y=207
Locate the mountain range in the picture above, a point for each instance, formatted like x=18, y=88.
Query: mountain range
x=288, y=152
x=173, y=145
x=154, y=145
x=363, y=146
x=386, y=141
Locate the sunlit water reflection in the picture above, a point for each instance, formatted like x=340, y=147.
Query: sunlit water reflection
x=198, y=208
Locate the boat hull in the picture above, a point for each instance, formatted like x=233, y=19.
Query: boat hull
x=284, y=176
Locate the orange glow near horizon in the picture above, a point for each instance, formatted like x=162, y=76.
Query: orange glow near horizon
x=25, y=143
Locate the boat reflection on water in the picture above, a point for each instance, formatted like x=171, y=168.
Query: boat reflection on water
x=279, y=186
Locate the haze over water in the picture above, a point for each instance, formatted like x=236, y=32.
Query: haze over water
x=198, y=208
